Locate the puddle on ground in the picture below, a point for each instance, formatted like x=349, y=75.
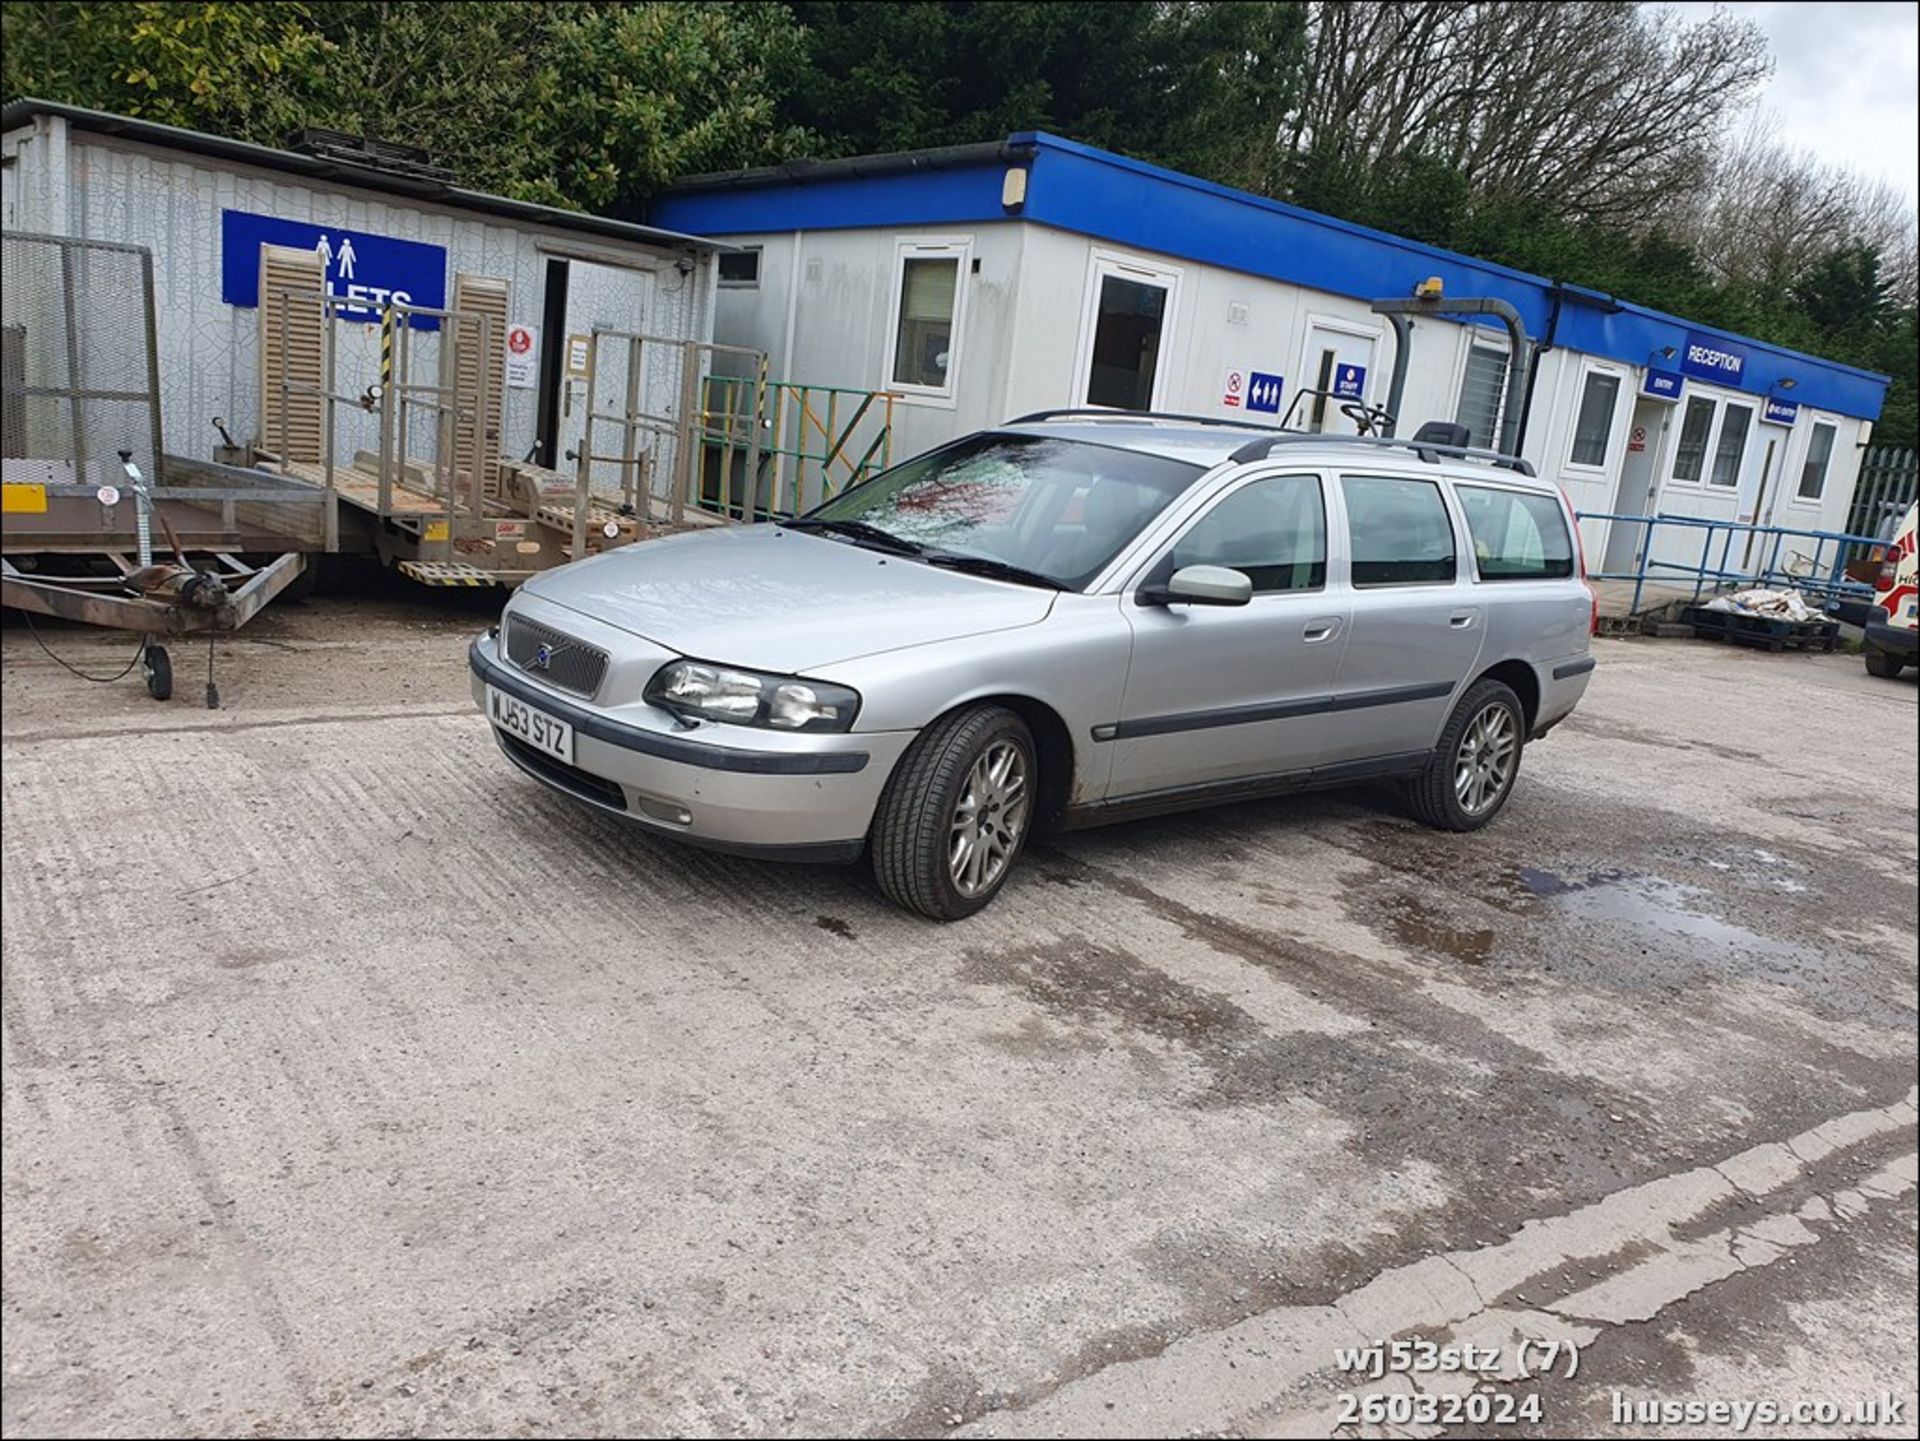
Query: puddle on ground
x=1667, y=907
x=1546, y=883
x=1418, y=928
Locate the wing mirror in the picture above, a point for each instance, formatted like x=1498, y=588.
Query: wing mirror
x=1200, y=585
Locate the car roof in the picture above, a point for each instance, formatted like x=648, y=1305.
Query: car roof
x=1206, y=442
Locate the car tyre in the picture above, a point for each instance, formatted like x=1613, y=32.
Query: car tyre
x=956, y=813
x=1471, y=773
x=1883, y=663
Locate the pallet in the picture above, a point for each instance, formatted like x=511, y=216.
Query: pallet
x=1762, y=632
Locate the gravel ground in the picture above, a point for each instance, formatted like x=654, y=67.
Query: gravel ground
x=354, y=1083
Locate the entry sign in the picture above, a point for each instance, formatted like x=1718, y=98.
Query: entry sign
x=359, y=265
x=1350, y=381
x=1780, y=412
x=1662, y=384
x=523, y=356
x=1231, y=388
x=1263, y=392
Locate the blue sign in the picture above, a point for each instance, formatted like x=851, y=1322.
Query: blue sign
x=1263, y=392
x=1780, y=412
x=1350, y=381
x=359, y=265
x=1662, y=385
x=1707, y=357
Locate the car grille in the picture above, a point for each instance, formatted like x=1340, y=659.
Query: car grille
x=572, y=665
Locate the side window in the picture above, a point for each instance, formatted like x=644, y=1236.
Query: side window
x=1272, y=531
x=928, y=303
x=1599, y=394
x=1727, y=455
x=1690, y=455
x=1517, y=535
x=1398, y=530
x=740, y=269
x=1813, y=471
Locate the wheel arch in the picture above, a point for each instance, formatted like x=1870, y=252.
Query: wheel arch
x=1520, y=678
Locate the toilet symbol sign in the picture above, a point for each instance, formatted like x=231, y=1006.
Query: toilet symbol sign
x=1263, y=392
x=361, y=267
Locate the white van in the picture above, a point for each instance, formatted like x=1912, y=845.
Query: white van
x=1893, y=636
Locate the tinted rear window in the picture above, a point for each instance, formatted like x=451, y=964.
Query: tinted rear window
x=1517, y=535
x=1398, y=530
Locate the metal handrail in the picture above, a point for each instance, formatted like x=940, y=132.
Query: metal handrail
x=1834, y=585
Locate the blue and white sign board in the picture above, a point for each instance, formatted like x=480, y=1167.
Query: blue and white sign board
x=1662, y=385
x=1263, y=392
x=1350, y=381
x=1707, y=357
x=359, y=265
x=1780, y=412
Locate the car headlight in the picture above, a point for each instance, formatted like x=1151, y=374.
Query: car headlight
x=748, y=698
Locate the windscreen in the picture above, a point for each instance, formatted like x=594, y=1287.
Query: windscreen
x=1059, y=508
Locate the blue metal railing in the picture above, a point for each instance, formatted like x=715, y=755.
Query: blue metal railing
x=1815, y=574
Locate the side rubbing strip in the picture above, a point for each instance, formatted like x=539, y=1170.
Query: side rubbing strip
x=1273, y=710
x=1574, y=667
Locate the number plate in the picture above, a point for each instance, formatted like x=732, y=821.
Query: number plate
x=530, y=724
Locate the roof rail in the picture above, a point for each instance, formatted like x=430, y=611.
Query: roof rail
x=1426, y=450
x=1102, y=413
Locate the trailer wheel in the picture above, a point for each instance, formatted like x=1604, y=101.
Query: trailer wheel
x=157, y=667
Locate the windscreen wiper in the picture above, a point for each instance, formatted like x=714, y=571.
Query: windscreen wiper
x=993, y=569
x=858, y=531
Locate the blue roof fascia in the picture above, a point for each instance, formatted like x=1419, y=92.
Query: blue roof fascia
x=1113, y=198
x=1092, y=192
x=961, y=196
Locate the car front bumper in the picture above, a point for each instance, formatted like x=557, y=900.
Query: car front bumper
x=804, y=797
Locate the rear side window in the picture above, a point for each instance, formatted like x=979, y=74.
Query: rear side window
x=1517, y=535
x=1398, y=531
x=1272, y=531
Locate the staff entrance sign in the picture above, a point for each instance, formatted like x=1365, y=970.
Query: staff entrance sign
x=360, y=265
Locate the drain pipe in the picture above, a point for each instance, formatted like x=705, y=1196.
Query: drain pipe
x=1519, y=355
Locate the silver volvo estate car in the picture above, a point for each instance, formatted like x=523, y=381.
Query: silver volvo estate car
x=1071, y=619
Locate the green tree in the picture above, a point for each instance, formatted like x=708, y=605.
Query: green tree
x=235, y=69
x=579, y=104
x=1201, y=87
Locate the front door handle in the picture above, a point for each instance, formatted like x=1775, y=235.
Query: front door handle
x=1463, y=619
x=1324, y=627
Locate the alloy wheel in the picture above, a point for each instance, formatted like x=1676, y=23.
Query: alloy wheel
x=989, y=819
x=1483, y=766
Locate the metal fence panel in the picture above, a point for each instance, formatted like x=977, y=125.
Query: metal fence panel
x=1889, y=479
x=77, y=354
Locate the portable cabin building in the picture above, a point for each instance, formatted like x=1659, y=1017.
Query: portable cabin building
x=979, y=282
x=379, y=224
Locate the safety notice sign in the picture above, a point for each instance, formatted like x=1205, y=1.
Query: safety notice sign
x=1230, y=392
x=523, y=356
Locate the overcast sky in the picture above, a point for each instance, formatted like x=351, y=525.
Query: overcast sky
x=1844, y=81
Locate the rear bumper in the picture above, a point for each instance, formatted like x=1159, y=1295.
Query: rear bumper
x=1898, y=640
x=783, y=797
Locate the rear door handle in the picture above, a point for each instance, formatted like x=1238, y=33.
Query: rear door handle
x=1463, y=619
x=1325, y=627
